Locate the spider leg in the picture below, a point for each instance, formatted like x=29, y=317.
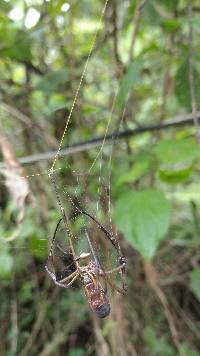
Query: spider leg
x=115, y=269
x=120, y=268
x=54, y=236
x=72, y=275
x=62, y=282
x=114, y=286
x=73, y=280
x=52, y=275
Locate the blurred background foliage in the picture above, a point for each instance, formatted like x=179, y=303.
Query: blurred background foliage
x=138, y=76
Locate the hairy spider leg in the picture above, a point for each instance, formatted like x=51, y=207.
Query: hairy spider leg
x=115, y=269
x=114, y=286
x=73, y=275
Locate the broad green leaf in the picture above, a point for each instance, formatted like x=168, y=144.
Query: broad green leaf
x=4, y=6
x=139, y=168
x=52, y=81
x=108, y=327
x=77, y=352
x=143, y=217
x=173, y=174
x=38, y=247
x=195, y=282
x=151, y=15
x=19, y=49
x=185, y=349
x=56, y=102
x=171, y=25
x=6, y=264
x=129, y=80
x=165, y=7
x=171, y=151
x=26, y=291
x=157, y=345
x=182, y=86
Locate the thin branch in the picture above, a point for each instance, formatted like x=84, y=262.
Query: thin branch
x=136, y=22
x=36, y=328
x=26, y=120
x=115, y=33
x=14, y=326
x=191, y=74
x=179, y=121
x=153, y=281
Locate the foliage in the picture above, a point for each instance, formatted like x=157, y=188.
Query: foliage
x=143, y=217
x=138, y=76
x=195, y=282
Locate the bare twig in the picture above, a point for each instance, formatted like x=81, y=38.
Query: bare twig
x=153, y=282
x=14, y=326
x=36, y=329
x=179, y=121
x=26, y=120
x=102, y=345
x=57, y=340
x=41, y=314
x=119, y=340
x=191, y=74
x=18, y=187
x=136, y=22
x=115, y=32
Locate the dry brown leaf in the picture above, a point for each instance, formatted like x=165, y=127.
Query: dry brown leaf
x=15, y=182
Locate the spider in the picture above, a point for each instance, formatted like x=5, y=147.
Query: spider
x=90, y=273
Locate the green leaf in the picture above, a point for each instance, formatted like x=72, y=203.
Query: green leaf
x=56, y=102
x=164, y=7
x=157, y=345
x=185, y=349
x=77, y=352
x=129, y=80
x=171, y=25
x=38, y=247
x=135, y=173
x=170, y=151
x=143, y=217
x=182, y=85
x=174, y=175
x=6, y=264
x=195, y=282
x=150, y=14
x=4, y=6
x=52, y=81
x=19, y=49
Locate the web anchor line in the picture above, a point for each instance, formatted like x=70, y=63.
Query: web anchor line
x=80, y=84
x=63, y=214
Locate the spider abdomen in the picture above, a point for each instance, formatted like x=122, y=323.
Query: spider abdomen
x=96, y=297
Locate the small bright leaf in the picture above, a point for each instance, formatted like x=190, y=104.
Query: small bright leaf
x=195, y=282
x=52, y=81
x=143, y=217
x=182, y=85
x=186, y=350
x=6, y=264
x=173, y=175
x=134, y=173
x=38, y=247
x=129, y=79
x=176, y=150
x=157, y=345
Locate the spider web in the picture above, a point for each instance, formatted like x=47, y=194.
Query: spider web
x=96, y=173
